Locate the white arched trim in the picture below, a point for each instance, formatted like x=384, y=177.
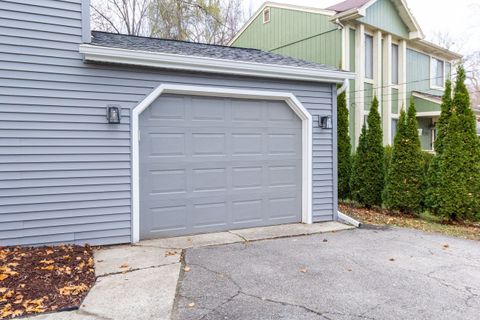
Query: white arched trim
x=289, y=98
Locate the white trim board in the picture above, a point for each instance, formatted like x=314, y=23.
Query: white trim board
x=210, y=65
x=289, y=98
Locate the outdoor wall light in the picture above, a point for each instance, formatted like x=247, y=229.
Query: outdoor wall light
x=113, y=114
x=325, y=122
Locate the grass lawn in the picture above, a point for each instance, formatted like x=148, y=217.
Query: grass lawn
x=424, y=222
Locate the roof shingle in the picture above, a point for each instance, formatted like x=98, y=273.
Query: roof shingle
x=185, y=48
x=347, y=5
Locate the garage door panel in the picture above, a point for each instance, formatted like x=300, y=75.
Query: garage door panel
x=218, y=164
x=248, y=211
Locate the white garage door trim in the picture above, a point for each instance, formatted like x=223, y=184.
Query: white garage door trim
x=289, y=98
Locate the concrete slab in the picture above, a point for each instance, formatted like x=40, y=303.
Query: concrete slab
x=70, y=315
x=125, y=258
x=143, y=295
x=290, y=230
x=200, y=240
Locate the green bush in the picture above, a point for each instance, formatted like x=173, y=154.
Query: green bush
x=368, y=169
x=432, y=194
x=344, y=149
x=454, y=175
x=427, y=158
x=404, y=187
x=388, y=158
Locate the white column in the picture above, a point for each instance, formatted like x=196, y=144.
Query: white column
x=387, y=81
x=377, y=67
x=359, y=79
x=346, y=57
x=402, y=73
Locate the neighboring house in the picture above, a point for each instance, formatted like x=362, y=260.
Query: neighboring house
x=379, y=40
x=197, y=138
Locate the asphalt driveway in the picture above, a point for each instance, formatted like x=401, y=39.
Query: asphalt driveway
x=358, y=274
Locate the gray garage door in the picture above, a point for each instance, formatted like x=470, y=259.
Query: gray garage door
x=212, y=164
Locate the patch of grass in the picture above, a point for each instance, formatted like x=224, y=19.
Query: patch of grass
x=425, y=221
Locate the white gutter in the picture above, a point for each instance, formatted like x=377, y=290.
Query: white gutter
x=344, y=87
x=349, y=220
x=211, y=65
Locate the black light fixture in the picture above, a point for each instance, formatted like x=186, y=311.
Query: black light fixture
x=113, y=114
x=325, y=122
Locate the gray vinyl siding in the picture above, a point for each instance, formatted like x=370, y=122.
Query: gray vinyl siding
x=65, y=174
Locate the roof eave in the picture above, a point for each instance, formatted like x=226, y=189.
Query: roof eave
x=94, y=53
x=437, y=50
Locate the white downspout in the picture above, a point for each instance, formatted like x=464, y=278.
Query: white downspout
x=344, y=87
x=341, y=216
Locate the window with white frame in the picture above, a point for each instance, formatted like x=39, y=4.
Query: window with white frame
x=368, y=56
x=394, y=130
x=394, y=64
x=437, y=73
x=266, y=15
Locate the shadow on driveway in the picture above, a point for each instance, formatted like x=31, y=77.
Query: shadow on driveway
x=358, y=274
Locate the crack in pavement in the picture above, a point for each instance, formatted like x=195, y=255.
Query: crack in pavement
x=241, y=292
x=92, y=314
x=135, y=269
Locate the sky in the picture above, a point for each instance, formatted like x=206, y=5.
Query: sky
x=457, y=18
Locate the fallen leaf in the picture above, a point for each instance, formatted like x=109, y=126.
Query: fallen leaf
x=186, y=269
x=3, y=276
x=47, y=261
x=3, y=290
x=303, y=270
x=125, y=266
x=48, y=268
x=170, y=253
x=191, y=304
x=73, y=290
x=49, y=251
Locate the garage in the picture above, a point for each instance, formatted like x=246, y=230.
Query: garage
x=215, y=164
x=114, y=138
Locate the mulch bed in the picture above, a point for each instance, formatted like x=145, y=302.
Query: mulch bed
x=44, y=279
x=379, y=216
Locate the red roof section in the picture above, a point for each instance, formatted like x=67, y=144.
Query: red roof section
x=347, y=5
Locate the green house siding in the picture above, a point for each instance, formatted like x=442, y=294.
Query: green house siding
x=383, y=15
x=303, y=35
x=395, y=101
x=368, y=96
x=418, y=73
x=352, y=56
x=423, y=105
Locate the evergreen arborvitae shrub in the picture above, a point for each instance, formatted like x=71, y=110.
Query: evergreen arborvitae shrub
x=404, y=187
x=344, y=148
x=455, y=191
x=432, y=193
x=368, y=171
x=452, y=179
x=388, y=158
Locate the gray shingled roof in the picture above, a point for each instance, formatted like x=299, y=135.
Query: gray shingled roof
x=347, y=5
x=121, y=41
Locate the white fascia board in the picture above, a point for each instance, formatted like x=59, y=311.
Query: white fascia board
x=210, y=65
x=428, y=114
x=423, y=97
x=348, y=15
